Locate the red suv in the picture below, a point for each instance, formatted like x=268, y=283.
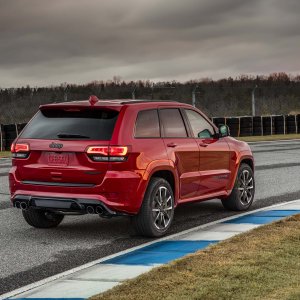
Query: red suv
x=125, y=157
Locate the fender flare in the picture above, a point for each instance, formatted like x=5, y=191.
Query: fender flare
x=238, y=162
x=156, y=166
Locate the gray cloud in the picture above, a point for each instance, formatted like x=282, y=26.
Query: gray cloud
x=49, y=42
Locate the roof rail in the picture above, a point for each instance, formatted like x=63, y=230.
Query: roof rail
x=145, y=101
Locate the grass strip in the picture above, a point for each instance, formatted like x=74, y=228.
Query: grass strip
x=5, y=154
x=261, y=264
x=269, y=137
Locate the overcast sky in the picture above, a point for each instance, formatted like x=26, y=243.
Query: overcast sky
x=46, y=42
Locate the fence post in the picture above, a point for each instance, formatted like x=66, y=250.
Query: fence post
x=1, y=138
x=17, y=132
x=271, y=122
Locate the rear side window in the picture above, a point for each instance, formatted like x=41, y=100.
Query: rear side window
x=147, y=124
x=85, y=124
x=172, y=123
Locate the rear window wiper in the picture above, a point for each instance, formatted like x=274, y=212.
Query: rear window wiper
x=72, y=136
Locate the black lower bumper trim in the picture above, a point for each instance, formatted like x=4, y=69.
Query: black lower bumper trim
x=71, y=205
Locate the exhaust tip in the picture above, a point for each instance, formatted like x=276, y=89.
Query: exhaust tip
x=23, y=205
x=17, y=204
x=90, y=210
x=99, y=210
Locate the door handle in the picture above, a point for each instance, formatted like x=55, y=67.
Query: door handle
x=173, y=145
x=203, y=145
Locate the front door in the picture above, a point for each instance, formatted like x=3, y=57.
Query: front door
x=214, y=155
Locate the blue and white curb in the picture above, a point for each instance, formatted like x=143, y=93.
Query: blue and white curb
x=103, y=274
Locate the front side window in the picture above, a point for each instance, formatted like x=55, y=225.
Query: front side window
x=200, y=127
x=147, y=124
x=172, y=123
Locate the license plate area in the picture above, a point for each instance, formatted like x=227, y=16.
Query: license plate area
x=58, y=159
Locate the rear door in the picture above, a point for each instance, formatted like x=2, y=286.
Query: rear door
x=214, y=155
x=58, y=139
x=182, y=150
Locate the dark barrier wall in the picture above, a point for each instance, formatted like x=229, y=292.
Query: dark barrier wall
x=8, y=133
x=291, y=124
x=246, y=126
x=239, y=126
x=257, y=126
x=260, y=125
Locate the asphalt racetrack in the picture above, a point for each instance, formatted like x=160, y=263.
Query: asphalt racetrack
x=29, y=254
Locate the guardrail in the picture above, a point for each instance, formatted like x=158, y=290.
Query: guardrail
x=239, y=127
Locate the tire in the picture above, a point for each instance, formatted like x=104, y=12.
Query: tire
x=291, y=129
x=232, y=121
x=156, y=223
x=41, y=218
x=257, y=133
x=234, y=133
x=218, y=121
x=246, y=121
x=267, y=130
x=246, y=132
x=242, y=195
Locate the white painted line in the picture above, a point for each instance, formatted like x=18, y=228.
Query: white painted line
x=276, y=141
x=90, y=264
x=209, y=235
x=110, y=272
x=294, y=206
x=229, y=227
x=63, y=288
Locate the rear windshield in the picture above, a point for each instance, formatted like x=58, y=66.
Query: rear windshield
x=85, y=124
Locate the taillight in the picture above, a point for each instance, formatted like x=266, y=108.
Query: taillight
x=98, y=150
x=107, y=153
x=20, y=150
x=118, y=150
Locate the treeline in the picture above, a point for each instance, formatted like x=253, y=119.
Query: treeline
x=277, y=93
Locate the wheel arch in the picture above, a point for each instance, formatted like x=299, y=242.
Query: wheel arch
x=231, y=201
x=248, y=161
x=169, y=174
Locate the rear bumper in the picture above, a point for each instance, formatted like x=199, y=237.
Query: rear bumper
x=119, y=192
x=64, y=205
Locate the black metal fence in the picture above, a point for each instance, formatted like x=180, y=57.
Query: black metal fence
x=239, y=127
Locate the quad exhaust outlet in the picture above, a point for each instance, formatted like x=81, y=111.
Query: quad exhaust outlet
x=23, y=205
x=99, y=210
x=90, y=210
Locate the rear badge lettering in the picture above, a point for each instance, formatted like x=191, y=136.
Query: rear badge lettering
x=55, y=146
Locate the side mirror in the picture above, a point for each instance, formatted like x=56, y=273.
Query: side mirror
x=204, y=134
x=224, y=131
